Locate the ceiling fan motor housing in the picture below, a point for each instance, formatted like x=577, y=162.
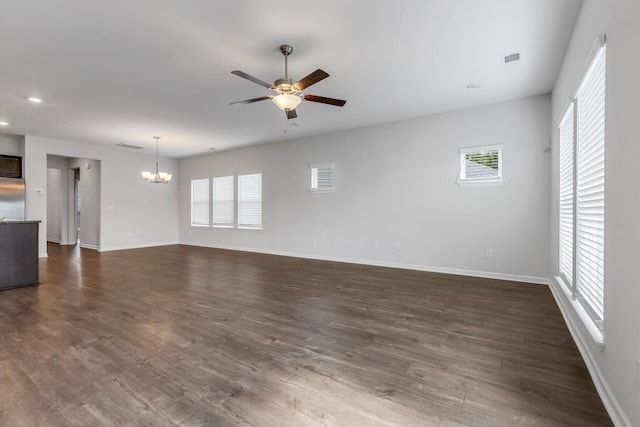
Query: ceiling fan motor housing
x=285, y=86
x=286, y=49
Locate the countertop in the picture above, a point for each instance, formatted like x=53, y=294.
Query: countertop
x=18, y=222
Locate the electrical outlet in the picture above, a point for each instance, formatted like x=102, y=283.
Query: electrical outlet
x=375, y=244
x=396, y=246
x=489, y=253
x=314, y=242
x=244, y=236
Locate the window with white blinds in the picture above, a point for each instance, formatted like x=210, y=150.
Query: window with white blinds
x=322, y=177
x=223, y=201
x=200, y=202
x=567, y=148
x=590, y=187
x=250, y=200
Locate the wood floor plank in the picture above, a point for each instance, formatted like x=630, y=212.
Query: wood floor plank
x=187, y=336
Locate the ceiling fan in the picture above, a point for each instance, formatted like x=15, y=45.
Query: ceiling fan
x=288, y=91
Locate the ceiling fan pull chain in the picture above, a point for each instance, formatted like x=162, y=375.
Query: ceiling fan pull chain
x=286, y=128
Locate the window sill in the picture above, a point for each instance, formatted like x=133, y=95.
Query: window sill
x=479, y=183
x=587, y=321
x=222, y=226
x=322, y=190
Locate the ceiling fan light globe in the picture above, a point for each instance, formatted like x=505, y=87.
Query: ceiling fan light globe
x=286, y=102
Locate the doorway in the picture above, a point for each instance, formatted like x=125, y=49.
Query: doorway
x=77, y=200
x=76, y=206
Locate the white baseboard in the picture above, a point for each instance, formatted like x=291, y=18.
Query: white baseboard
x=418, y=267
x=43, y=255
x=618, y=417
x=49, y=239
x=137, y=246
x=87, y=246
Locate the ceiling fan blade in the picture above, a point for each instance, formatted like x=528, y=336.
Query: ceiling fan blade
x=323, y=100
x=253, y=79
x=311, y=79
x=291, y=114
x=249, y=101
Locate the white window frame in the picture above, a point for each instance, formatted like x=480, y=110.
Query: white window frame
x=214, y=201
x=463, y=181
x=240, y=203
x=314, y=170
x=193, y=181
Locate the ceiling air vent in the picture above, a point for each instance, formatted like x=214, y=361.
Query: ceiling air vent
x=134, y=147
x=514, y=57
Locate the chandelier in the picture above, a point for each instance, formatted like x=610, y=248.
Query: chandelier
x=158, y=177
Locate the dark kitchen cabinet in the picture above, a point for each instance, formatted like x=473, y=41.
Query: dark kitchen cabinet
x=18, y=253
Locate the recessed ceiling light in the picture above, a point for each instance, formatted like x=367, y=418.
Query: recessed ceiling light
x=4, y=123
x=34, y=99
x=473, y=86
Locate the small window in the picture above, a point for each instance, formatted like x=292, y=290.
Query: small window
x=250, y=200
x=223, y=201
x=480, y=165
x=200, y=202
x=322, y=177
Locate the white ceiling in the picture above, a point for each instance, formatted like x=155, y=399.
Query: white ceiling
x=122, y=71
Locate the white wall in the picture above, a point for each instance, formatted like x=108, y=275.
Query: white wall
x=614, y=367
x=133, y=213
x=56, y=199
x=396, y=183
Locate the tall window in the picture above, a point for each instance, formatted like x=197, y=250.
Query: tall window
x=250, y=200
x=200, y=202
x=223, y=201
x=582, y=210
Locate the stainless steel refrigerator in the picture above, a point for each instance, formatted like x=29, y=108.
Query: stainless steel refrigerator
x=12, y=196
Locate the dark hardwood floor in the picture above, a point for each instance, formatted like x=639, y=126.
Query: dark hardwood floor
x=184, y=336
